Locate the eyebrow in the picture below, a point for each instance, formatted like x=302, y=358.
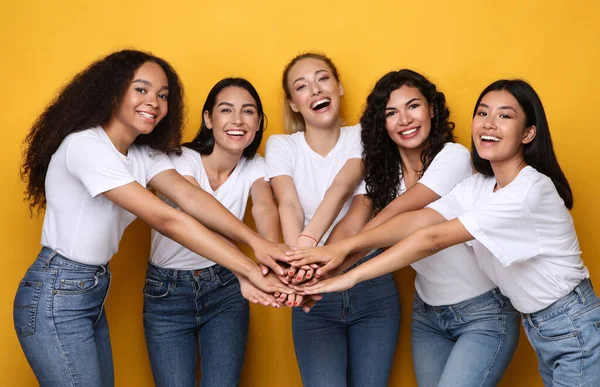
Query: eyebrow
x=316, y=72
x=148, y=83
x=243, y=106
x=506, y=107
x=407, y=103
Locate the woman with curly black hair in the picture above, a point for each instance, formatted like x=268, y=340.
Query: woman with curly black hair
x=411, y=160
x=89, y=158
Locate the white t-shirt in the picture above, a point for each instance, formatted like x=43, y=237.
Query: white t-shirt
x=232, y=194
x=451, y=275
x=81, y=224
x=525, y=240
x=312, y=173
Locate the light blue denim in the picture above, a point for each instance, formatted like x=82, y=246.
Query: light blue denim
x=61, y=324
x=349, y=338
x=468, y=344
x=187, y=308
x=566, y=339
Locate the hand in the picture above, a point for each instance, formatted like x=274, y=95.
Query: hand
x=267, y=253
x=329, y=255
x=330, y=285
x=305, y=241
x=269, y=283
x=252, y=294
x=298, y=275
x=310, y=301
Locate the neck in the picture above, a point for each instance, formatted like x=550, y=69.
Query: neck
x=119, y=135
x=411, y=160
x=506, y=171
x=322, y=140
x=220, y=163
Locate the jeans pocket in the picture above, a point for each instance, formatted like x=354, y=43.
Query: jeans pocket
x=25, y=307
x=156, y=289
x=381, y=280
x=224, y=276
x=557, y=328
x=74, y=282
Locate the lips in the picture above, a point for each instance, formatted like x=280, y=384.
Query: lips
x=235, y=133
x=410, y=131
x=487, y=138
x=320, y=104
x=146, y=115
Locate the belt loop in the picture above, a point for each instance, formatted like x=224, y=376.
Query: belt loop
x=174, y=278
x=580, y=294
x=211, y=270
x=49, y=258
x=498, y=297
x=530, y=320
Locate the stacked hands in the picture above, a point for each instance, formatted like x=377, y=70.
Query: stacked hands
x=294, y=276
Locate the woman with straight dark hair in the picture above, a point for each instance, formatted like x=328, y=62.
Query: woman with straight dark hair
x=189, y=300
x=411, y=160
x=348, y=338
x=89, y=158
x=515, y=213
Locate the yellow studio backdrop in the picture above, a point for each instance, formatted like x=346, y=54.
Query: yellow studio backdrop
x=462, y=46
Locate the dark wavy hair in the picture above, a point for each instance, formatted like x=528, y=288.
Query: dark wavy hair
x=539, y=153
x=89, y=99
x=382, y=161
x=204, y=142
x=294, y=122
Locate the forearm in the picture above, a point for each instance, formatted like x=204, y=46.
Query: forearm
x=292, y=223
x=327, y=211
x=266, y=219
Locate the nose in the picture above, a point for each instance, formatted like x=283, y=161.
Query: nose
x=404, y=118
x=237, y=118
x=315, y=88
x=489, y=122
x=151, y=101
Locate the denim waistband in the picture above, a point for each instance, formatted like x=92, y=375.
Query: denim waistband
x=372, y=254
x=580, y=294
x=49, y=258
x=207, y=274
x=477, y=301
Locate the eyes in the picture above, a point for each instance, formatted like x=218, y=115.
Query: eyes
x=412, y=106
x=320, y=78
x=483, y=113
x=141, y=90
x=247, y=111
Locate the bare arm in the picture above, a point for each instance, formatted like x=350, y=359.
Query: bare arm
x=188, y=232
x=341, y=189
x=264, y=210
x=291, y=212
x=416, y=246
x=208, y=211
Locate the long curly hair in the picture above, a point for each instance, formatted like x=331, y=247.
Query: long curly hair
x=204, y=142
x=539, y=153
x=382, y=160
x=89, y=99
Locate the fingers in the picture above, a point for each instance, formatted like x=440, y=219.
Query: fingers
x=298, y=300
x=298, y=253
x=290, y=300
x=270, y=262
x=306, y=261
x=290, y=273
x=264, y=269
x=281, y=297
x=309, y=274
x=277, y=286
x=321, y=271
x=299, y=277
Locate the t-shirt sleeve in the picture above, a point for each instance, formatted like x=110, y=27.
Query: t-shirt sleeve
x=361, y=189
x=354, y=144
x=258, y=169
x=279, y=157
x=449, y=167
x=96, y=165
x=159, y=162
x=184, y=163
x=504, y=226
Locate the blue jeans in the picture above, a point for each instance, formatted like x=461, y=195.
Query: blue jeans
x=187, y=308
x=466, y=344
x=349, y=338
x=566, y=338
x=61, y=324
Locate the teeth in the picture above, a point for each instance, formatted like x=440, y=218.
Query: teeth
x=235, y=132
x=324, y=100
x=144, y=114
x=411, y=131
x=490, y=138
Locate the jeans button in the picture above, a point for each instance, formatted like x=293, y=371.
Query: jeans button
x=197, y=272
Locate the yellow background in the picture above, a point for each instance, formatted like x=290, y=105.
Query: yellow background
x=462, y=46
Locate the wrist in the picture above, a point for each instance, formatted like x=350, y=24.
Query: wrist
x=309, y=237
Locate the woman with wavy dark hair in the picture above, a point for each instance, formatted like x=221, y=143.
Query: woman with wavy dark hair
x=348, y=338
x=515, y=214
x=178, y=317
x=411, y=160
x=90, y=156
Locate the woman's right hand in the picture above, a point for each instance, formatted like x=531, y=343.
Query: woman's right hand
x=254, y=295
x=330, y=255
x=267, y=283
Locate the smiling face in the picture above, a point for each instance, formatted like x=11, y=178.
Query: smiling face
x=314, y=93
x=498, y=128
x=234, y=120
x=408, y=118
x=145, y=101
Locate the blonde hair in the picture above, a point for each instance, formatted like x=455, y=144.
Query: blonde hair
x=294, y=122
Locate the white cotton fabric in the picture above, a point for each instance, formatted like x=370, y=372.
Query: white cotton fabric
x=232, y=194
x=525, y=239
x=80, y=223
x=313, y=174
x=451, y=275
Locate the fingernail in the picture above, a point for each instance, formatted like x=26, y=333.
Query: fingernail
x=308, y=276
x=298, y=278
x=280, y=271
x=289, y=304
x=291, y=273
x=296, y=303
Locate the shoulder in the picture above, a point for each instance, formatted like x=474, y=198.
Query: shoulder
x=535, y=190
x=275, y=140
x=453, y=148
x=351, y=131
